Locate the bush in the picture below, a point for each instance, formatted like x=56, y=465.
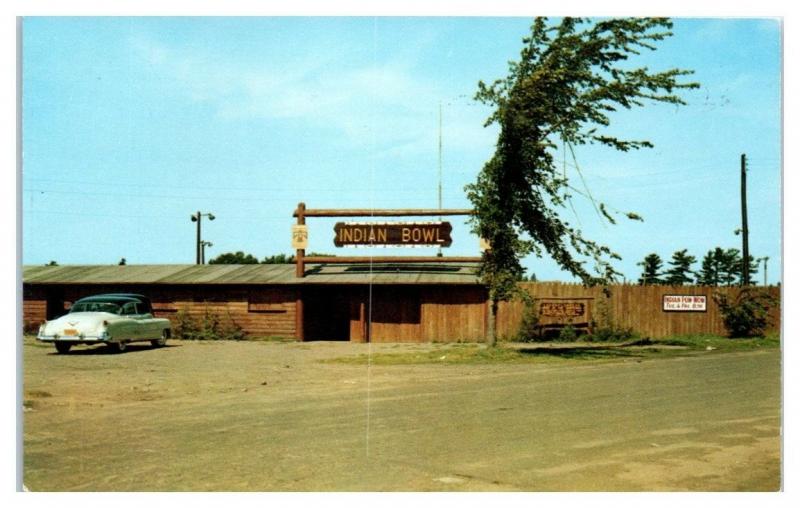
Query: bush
x=30, y=327
x=529, y=327
x=567, y=334
x=604, y=329
x=747, y=314
x=208, y=327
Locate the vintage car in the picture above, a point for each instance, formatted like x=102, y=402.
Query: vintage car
x=112, y=319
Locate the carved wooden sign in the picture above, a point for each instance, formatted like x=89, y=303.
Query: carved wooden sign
x=394, y=234
x=562, y=309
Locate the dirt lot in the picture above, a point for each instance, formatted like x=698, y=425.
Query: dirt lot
x=271, y=417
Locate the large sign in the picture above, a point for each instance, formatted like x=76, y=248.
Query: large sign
x=395, y=234
x=684, y=303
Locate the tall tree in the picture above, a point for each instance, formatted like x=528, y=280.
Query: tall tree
x=651, y=269
x=680, y=268
x=710, y=269
x=568, y=80
x=730, y=261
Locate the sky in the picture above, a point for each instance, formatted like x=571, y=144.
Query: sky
x=132, y=124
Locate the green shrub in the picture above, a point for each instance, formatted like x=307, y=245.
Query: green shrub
x=529, y=327
x=567, y=334
x=747, y=314
x=605, y=329
x=210, y=326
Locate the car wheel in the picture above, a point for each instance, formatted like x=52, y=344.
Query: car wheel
x=161, y=342
x=63, y=347
x=117, y=347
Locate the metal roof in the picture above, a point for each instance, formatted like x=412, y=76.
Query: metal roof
x=251, y=274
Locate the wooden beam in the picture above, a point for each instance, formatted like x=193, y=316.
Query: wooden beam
x=367, y=212
x=388, y=259
x=300, y=266
x=299, y=324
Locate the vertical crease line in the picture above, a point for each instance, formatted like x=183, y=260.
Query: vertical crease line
x=368, y=331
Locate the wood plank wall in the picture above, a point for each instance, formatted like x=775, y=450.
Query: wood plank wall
x=408, y=314
x=634, y=306
x=453, y=314
x=259, y=310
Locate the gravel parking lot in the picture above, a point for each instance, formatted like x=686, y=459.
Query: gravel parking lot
x=270, y=416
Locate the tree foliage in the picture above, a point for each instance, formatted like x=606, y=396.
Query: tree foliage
x=278, y=259
x=568, y=81
x=680, y=268
x=234, y=258
x=651, y=269
x=723, y=267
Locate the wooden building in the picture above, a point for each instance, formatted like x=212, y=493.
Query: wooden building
x=379, y=303
x=389, y=303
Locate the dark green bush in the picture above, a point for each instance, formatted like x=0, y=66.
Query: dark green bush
x=746, y=314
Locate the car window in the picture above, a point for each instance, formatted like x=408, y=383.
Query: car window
x=113, y=308
x=129, y=308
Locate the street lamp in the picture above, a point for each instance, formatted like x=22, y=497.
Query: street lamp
x=203, y=245
x=198, y=217
x=764, y=259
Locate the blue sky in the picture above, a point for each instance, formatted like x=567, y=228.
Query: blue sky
x=132, y=124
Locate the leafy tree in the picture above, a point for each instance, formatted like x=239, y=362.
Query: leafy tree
x=651, y=269
x=123, y=262
x=51, y=263
x=568, y=80
x=680, y=268
x=234, y=258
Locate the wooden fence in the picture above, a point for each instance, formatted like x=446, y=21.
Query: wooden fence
x=634, y=306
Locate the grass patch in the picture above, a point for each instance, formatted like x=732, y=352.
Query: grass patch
x=722, y=344
x=466, y=354
x=477, y=354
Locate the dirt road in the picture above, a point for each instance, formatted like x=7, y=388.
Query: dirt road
x=270, y=417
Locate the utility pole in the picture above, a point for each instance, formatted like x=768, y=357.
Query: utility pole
x=745, y=246
x=765, y=258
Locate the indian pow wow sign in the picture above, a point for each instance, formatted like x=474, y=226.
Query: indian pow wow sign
x=414, y=234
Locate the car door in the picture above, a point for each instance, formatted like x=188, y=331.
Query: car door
x=148, y=325
x=131, y=322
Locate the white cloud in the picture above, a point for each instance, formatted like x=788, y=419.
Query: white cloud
x=385, y=104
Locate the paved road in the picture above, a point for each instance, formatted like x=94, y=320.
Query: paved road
x=243, y=416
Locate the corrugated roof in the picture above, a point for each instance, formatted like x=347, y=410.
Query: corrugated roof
x=251, y=274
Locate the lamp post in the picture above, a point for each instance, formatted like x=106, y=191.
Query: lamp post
x=198, y=217
x=203, y=245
